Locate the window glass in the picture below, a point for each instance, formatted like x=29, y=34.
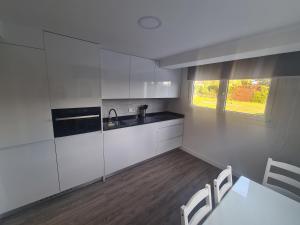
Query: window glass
x=248, y=96
x=205, y=93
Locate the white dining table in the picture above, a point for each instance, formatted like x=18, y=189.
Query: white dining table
x=250, y=203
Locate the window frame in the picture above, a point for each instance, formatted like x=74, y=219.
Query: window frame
x=222, y=97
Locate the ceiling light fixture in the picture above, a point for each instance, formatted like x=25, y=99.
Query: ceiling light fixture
x=149, y=22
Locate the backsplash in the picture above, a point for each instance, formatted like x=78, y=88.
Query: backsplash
x=122, y=106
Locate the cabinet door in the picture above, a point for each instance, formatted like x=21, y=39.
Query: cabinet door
x=175, y=78
x=142, y=78
x=115, y=75
x=28, y=173
x=80, y=159
x=162, y=83
x=167, y=83
x=24, y=102
x=74, y=72
x=128, y=146
x=169, y=144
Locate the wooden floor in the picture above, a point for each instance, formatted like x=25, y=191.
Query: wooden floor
x=149, y=194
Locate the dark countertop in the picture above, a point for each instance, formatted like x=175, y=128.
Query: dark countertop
x=130, y=121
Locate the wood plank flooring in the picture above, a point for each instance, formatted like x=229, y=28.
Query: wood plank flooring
x=149, y=194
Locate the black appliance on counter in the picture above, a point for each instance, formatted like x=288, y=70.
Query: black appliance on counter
x=142, y=111
x=73, y=121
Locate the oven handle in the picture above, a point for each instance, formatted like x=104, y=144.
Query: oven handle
x=76, y=117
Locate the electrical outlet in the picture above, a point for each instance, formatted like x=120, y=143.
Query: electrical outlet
x=131, y=110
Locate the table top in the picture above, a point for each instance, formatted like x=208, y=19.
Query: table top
x=250, y=203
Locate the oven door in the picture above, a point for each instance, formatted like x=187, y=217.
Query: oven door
x=73, y=121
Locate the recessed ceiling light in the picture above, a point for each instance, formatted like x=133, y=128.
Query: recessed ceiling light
x=149, y=22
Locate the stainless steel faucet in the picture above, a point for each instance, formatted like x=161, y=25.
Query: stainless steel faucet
x=110, y=118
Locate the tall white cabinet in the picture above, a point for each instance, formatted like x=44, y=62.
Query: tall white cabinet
x=74, y=79
x=74, y=72
x=115, y=74
x=24, y=102
x=28, y=170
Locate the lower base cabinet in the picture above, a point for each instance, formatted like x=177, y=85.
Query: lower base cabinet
x=167, y=145
x=169, y=135
x=28, y=173
x=80, y=159
x=128, y=146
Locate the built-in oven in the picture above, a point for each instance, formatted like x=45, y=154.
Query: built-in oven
x=73, y=121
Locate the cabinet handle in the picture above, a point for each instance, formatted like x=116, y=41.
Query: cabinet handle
x=76, y=117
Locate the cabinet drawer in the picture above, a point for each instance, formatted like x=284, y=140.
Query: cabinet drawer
x=170, y=132
x=170, y=123
x=170, y=144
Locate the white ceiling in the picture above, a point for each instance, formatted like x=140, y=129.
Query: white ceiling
x=186, y=24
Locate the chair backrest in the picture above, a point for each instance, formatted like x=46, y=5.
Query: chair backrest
x=193, y=202
x=220, y=192
x=282, y=178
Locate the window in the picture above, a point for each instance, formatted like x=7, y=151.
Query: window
x=248, y=96
x=205, y=93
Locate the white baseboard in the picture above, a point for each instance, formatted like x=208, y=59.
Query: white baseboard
x=209, y=161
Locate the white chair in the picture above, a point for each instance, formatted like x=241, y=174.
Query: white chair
x=282, y=178
x=220, y=192
x=192, y=203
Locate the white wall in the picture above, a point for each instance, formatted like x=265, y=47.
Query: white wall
x=244, y=143
x=21, y=35
x=122, y=105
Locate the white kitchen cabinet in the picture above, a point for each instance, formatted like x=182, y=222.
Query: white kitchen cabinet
x=80, y=159
x=28, y=173
x=124, y=76
x=170, y=132
x=167, y=83
x=169, y=144
x=74, y=72
x=169, y=135
x=142, y=78
x=24, y=100
x=127, y=146
x=175, y=78
x=115, y=75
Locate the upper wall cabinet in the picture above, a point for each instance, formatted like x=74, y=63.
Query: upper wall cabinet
x=142, y=78
x=115, y=73
x=24, y=101
x=167, y=83
x=125, y=76
x=74, y=72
